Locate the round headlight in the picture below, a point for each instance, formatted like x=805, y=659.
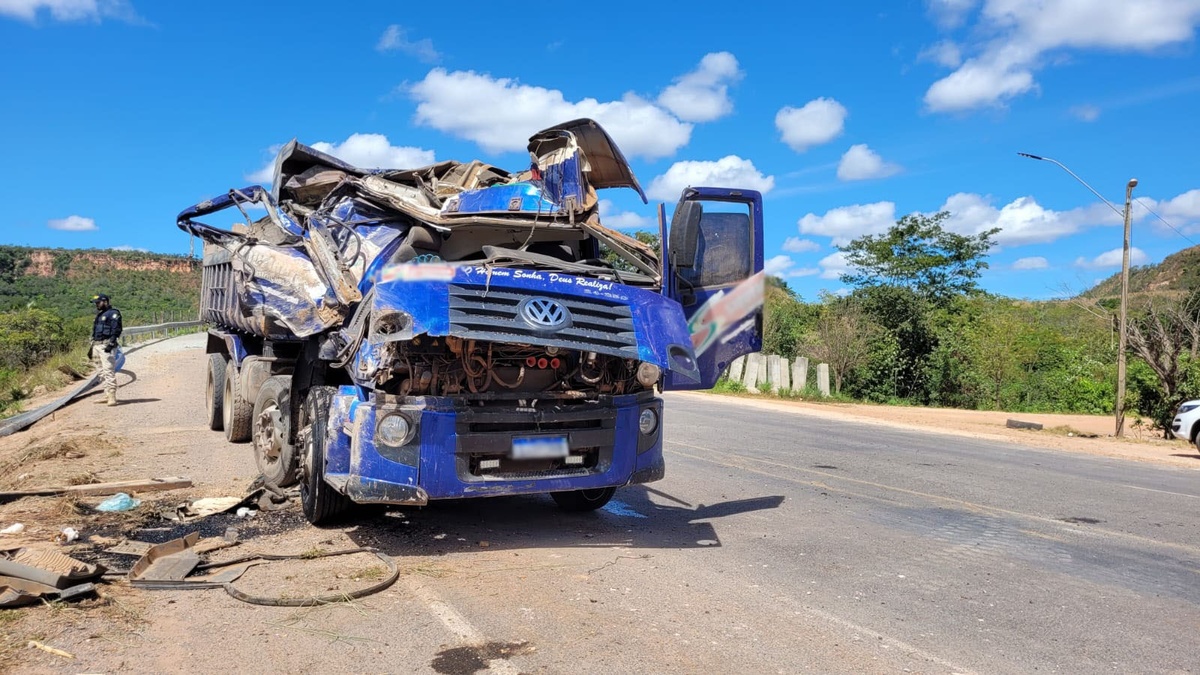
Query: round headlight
x=394, y=430
x=648, y=422
x=648, y=374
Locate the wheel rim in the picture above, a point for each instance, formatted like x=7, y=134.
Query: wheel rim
x=268, y=439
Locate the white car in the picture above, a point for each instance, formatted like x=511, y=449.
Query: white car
x=1187, y=421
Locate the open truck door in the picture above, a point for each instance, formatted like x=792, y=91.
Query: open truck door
x=714, y=261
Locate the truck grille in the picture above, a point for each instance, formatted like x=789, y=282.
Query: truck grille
x=597, y=325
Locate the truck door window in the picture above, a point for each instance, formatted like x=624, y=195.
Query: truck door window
x=725, y=249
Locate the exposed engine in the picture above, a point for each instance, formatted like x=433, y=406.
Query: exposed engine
x=452, y=366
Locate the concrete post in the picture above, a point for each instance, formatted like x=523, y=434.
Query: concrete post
x=750, y=379
x=763, y=375
x=774, y=372
x=736, y=368
x=800, y=373
x=823, y=378
x=785, y=380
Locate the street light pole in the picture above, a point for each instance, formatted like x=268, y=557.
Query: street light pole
x=1124, y=340
x=1119, y=406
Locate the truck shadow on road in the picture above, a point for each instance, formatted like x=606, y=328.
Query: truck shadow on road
x=632, y=519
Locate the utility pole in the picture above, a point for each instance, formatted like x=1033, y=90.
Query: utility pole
x=1119, y=404
x=1123, y=342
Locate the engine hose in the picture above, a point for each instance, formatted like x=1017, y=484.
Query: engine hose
x=393, y=569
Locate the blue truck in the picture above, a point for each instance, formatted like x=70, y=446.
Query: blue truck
x=396, y=336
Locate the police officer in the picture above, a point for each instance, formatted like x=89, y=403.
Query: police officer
x=105, y=331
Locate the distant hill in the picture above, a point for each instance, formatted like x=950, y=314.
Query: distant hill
x=1178, y=273
x=142, y=285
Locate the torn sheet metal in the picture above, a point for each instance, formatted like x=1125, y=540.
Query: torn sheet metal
x=16, y=592
x=47, y=567
x=171, y=561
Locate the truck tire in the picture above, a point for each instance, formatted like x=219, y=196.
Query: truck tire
x=321, y=504
x=214, y=391
x=273, y=452
x=236, y=411
x=583, y=500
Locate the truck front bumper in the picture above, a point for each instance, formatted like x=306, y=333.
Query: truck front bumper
x=455, y=450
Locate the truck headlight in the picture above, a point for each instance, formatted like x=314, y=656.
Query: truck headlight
x=648, y=422
x=1186, y=408
x=648, y=374
x=394, y=430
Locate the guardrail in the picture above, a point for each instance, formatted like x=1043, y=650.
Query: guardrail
x=164, y=328
x=27, y=419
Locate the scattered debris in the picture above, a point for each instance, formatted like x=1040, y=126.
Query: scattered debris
x=1018, y=424
x=47, y=567
x=707, y=542
x=245, y=512
x=16, y=592
x=15, y=528
x=68, y=535
x=98, y=489
x=131, y=547
x=46, y=648
x=171, y=561
x=118, y=502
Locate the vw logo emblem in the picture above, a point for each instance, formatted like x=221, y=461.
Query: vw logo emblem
x=544, y=313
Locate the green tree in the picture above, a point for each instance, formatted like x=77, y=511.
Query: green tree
x=917, y=253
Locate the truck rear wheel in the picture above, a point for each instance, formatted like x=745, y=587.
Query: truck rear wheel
x=273, y=451
x=214, y=391
x=583, y=500
x=320, y=502
x=236, y=411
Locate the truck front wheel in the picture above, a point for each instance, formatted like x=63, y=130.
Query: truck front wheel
x=273, y=452
x=320, y=502
x=583, y=500
x=214, y=391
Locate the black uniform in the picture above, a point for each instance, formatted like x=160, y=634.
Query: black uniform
x=107, y=328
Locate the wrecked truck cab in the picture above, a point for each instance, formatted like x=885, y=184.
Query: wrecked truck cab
x=406, y=334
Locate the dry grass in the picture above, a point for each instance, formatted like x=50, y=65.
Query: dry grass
x=1065, y=430
x=59, y=447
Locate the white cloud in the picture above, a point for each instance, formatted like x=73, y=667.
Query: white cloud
x=1022, y=221
x=622, y=220
x=73, y=224
x=1112, y=258
x=951, y=13
x=395, y=39
x=818, y=121
x=846, y=223
x=703, y=94
x=782, y=266
x=1033, y=263
x=127, y=247
x=1015, y=37
x=1085, y=113
x=946, y=53
x=500, y=114
x=798, y=245
x=862, y=163
x=367, y=151
x=730, y=171
x=1182, y=211
x=69, y=10
x=834, y=265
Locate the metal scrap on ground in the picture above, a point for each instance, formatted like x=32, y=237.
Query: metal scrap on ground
x=100, y=489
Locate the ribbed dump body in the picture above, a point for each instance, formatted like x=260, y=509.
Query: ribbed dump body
x=219, y=305
x=596, y=324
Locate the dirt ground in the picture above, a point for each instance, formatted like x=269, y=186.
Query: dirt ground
x=158, y=431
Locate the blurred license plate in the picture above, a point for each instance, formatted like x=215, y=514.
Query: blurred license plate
x=540, y=447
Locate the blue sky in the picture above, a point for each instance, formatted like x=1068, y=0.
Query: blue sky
x=118, y=114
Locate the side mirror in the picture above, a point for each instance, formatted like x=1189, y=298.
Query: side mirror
x=684, y=237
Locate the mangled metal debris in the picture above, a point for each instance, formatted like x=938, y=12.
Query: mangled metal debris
x=358, y=222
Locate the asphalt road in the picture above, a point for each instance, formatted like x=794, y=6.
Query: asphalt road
x=777, y=543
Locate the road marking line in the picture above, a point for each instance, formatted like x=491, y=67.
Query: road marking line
x=885, y=639
x=1091, y=531
x=1165, y=492
x=458, y=625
